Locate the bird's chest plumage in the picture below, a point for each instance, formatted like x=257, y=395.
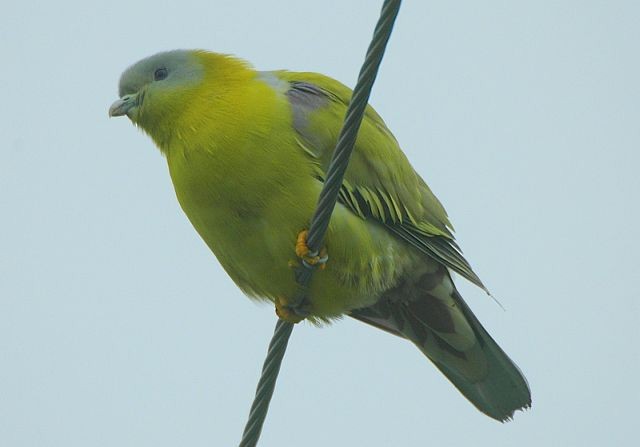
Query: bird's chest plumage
x=249, y=189
x=250, y=215
x=247, y=201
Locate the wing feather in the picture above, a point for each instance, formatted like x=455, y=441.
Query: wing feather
x=380, y=182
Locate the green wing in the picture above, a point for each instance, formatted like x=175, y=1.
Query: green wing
x=380, y=182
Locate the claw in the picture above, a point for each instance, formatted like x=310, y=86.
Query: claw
x=308, y=257
x=286, y=312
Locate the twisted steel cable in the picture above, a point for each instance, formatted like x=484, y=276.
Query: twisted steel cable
x=320, y=220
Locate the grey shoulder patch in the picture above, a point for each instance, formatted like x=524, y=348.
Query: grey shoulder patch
x=307, y=94
x=304, y=98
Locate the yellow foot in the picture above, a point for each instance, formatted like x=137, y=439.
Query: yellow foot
x=287, y=313
x=309, y=258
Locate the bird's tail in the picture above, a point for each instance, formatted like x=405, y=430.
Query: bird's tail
x=431, y=313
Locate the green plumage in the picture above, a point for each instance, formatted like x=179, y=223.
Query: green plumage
x=379, y=182
x=248, y=152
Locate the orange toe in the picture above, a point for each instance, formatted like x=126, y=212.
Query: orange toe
x=286, y=313
x=304, y=253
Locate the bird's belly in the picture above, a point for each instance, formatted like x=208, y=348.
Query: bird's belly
x=258, y=253
x=254, y=251
x=254, y=241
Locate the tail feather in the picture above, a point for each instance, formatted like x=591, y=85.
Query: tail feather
x=442, y=326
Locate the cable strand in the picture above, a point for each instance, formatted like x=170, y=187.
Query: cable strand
x=320, y=220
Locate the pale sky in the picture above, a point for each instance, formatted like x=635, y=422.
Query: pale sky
x=119, y=328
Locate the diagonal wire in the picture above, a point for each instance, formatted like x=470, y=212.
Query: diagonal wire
x=322, y=215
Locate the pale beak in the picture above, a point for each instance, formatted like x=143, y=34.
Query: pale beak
x=123, y=105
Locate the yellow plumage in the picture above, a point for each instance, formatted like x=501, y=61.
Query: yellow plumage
x=248, y=151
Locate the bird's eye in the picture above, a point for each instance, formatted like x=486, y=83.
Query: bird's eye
x=160, y=74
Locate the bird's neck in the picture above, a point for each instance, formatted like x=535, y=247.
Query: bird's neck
x=214, y=110
x=226, y=142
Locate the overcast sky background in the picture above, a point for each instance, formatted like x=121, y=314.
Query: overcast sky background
x=119, y=328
